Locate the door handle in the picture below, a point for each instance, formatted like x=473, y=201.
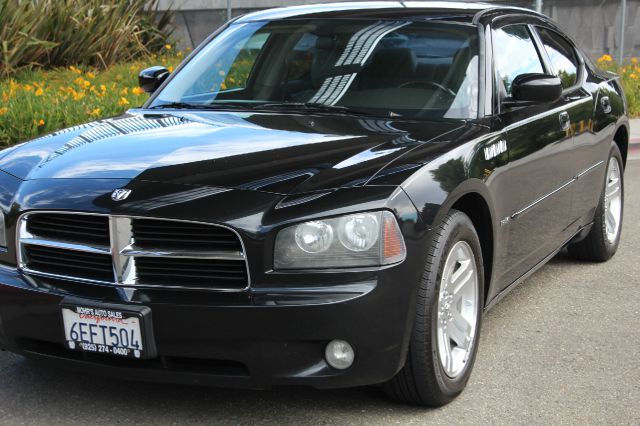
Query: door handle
x=565, y=120
x=606, y=104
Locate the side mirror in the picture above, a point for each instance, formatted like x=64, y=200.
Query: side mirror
x=151, y=78
x=536, y=88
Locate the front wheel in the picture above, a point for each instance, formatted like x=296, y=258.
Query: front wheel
x=604, y=237
x=446, y=328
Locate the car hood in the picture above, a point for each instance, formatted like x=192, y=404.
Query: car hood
x=279, y=153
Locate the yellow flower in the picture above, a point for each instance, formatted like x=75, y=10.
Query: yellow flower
x=5, y=97
x=77, y=95
x=167, y=46
x=28, y=88
x=605, y=58
x=179, y=54
x=41, y=122
x=75, y=70
x=39, y=92
x=634, y=61
x=95, y=112
x=86, y=83
x=4, y=110
x=170, y=69
x=123, y=102
x=79, y=81
x=124, y=92
x=137, y=91
x=633, y=76
x=103, y=88
x=91, y=75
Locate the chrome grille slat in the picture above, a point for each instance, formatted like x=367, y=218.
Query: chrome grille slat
x=221, y=255
x=55, y=260
x=68, y=246
x=131, y=256
x=93, y=230
x=186, y=236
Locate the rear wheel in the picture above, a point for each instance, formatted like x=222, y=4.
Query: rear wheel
x=602, y=241
x=446, y=328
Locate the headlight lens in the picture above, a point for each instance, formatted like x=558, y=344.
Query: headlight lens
x=359, y=232
x=314, y=237
x=356, y=240
x=3, y=231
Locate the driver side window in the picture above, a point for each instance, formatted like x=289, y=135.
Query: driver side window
x=514, y=54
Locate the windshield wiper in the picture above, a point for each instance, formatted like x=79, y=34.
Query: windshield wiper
x=215, y=105
x=312, y=107
x=286, y=106
x=176, y=105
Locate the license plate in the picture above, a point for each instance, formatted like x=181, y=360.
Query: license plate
x=104, y=330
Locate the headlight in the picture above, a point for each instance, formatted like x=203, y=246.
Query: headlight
x=3, y=231
x=356, y=240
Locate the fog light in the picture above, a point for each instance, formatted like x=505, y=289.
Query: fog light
x=339, y=354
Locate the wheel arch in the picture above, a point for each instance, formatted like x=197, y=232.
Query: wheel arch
x=621, y=138
x=472, y=198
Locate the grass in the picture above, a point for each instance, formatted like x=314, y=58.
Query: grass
x=39, y=102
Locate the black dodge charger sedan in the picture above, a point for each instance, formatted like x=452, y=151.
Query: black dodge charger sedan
x=327, y=195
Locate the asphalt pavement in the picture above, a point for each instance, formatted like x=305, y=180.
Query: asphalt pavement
x=562, y=348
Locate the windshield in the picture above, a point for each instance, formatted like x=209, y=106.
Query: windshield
x=383, y=68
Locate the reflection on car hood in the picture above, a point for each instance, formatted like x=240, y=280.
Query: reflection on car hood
x=280, y=153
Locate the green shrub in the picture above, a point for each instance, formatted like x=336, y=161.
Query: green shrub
x=99, y=33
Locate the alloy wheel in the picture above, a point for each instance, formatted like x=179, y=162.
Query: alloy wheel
x=458, y=305
x=613, y=201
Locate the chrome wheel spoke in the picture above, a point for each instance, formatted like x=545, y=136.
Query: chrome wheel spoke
x=459, y=330
x=461, y=277
x=447, y=359
x=612, y=190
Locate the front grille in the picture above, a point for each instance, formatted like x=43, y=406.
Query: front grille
x=70, y=263
x=87, y=229
x=163, y=234
x=132, y=251
x=205, y=273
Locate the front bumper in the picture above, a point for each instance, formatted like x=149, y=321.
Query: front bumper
x=274, y=336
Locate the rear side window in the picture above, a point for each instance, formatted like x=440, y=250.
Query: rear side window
x=515, y=54
x=562, y=56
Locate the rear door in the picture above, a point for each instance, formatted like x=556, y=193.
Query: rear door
x=536, y=184
x=587, y=161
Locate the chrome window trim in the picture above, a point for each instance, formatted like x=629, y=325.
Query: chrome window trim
x=123, y=251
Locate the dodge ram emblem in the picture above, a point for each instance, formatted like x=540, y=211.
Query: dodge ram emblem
x=120, y=194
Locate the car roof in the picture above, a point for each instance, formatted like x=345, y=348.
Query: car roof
x=446, y=10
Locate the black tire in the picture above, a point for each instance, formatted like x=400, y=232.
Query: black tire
x=422, y=380
x=596, y=247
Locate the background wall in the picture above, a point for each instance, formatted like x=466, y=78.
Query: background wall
x=593, y=24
